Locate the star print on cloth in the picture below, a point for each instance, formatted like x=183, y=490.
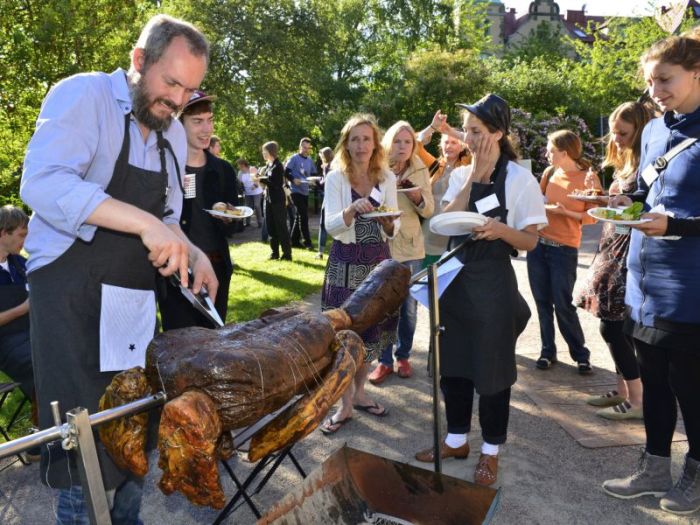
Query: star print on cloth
x=132, y=347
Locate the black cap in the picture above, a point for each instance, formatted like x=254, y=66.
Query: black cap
x=491, y=110
x=197, y=97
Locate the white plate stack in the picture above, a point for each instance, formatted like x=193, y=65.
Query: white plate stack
x=453, y=223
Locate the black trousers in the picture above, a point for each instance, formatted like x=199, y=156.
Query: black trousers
x=493, y=410
x=670, y=375
x=276, y=220
x=621, y=348
x=301, y=222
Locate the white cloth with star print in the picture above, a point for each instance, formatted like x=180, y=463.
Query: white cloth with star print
x=127, y=325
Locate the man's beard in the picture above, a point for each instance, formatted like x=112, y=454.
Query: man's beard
x=141, y=107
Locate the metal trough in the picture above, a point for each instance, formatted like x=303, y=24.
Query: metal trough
x=354, y=487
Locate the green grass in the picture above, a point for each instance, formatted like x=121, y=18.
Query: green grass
x=257, y=284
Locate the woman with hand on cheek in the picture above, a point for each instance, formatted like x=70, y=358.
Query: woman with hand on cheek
x=482, y=311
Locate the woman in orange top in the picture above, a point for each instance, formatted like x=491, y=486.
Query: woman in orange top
x=551, y=266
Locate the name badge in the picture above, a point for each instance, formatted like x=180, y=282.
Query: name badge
x=189, y=185
x=377, y=196
x=650, y=175
x=487, y=204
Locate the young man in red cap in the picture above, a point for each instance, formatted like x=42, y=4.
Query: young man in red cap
x=208, y=180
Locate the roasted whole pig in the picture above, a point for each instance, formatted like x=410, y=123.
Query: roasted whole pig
x=223, y=379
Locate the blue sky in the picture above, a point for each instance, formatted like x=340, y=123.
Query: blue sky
x=595, y=7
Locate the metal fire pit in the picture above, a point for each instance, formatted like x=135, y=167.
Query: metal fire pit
x=354, y=487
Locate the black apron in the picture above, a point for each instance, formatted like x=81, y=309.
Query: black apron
x=65, y=309
x=482, y=311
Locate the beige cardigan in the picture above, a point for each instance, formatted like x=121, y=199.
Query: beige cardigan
x=409, y=245
x=338, y=196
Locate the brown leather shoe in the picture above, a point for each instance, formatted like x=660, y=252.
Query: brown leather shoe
x=486, y=471
x=427, y=456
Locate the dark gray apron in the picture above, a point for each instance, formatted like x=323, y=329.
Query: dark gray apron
x=482, y=311
x=65, y=304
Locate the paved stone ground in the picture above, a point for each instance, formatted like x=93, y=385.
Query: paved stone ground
x=545, y=475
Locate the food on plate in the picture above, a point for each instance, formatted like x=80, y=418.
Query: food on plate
x=631, y=213
x=228, y=378
x=588, y=192
x=222, y=207
x=386, y=209
x=219, y=206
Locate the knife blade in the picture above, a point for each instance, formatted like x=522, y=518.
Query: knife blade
x=201, y=301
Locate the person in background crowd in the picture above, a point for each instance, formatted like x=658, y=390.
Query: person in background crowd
x=102, y=176
x=603, y=293
x=253, y=190
x=326, y=156
x=15, y=349
x=454, y=155
x=482, y=311
x=416, y=203
x=215, y=146
x=275, y=203
x=298, y=168
x=663, y=283
x=551, y=266
x=208, y=180
x=360, y=184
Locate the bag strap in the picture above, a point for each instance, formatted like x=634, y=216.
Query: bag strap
x=661, y=163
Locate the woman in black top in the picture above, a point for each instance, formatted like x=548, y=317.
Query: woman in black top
x=275, y=203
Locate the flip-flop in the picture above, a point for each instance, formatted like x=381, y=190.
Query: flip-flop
x=373, y=406
x=329, y=426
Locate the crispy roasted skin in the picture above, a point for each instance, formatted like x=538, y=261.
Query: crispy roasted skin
x=302, y=418
x=125, y=438
x=379, y=295
x=187, y=442
x=248, y=370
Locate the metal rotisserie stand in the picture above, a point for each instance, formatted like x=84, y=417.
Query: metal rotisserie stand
x=77, y=434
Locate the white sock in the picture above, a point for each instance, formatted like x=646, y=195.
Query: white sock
x=455, y=440
x=489, y=449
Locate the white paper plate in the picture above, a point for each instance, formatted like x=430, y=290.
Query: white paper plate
x=246, y=212
x=373, y=214
x=592, y=213
x=586, y=198
x=314, y=179
x=404, y=190
x=454, y=223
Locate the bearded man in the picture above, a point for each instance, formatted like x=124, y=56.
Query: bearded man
x=102, y=174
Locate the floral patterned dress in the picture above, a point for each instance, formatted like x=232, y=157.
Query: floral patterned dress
x=603, y=293
x=349, y=265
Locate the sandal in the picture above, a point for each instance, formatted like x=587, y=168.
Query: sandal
x=379, y=411
x=331, y=427
x=608, y=399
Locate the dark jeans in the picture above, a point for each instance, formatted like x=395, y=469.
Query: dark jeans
x=552, y=274
x=322, y=233
x=493, y=410
x=276, y=220
x=301, y=222
x=621, y=349
x=16, y=360
x=669, y=376
x=72, y=510
x=407, y=324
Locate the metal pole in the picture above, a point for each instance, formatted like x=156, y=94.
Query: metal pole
x=94, y=493
x=435, y=330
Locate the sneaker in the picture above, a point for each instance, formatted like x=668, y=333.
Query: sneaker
x=405, y=370
x=608, y=399
x=584, y=367
x=545, y=363
x=652, y=478
x=684, y=498
x=380, y=374
x=620, y=412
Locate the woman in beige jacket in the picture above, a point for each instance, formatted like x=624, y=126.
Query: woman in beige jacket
x=415, y=201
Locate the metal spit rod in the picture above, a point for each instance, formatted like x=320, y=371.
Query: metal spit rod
x=62, y=431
